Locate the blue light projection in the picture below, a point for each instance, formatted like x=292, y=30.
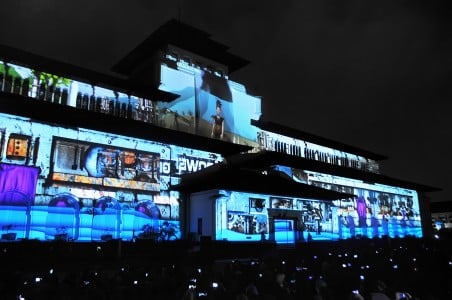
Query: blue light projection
x=377, y=211
x=195, y=109
x=85, y=185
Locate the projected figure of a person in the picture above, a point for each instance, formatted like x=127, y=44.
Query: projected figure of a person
x=351, y=225
x=394, y=225
x=375, y=224
x=209, y=90
x=340, y=223
x=218, y=123
x=385, y=225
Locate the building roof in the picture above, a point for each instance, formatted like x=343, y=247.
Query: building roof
x=308, y=137
x=45, y=64
x=266, y=159
x=441, y=207
x=233, y=177
x=185, y=37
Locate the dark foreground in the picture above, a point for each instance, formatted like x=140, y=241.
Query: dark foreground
x=421, y=268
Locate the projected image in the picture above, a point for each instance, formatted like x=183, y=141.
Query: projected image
x=83, y=185
x=244, y=216
x=224, y=112
x=377, y=214
x=283, y=203
x=18, y=147
x=257, y=205
x=17, y=184
x=241, y=217
x=106, y=166
x=208, y=105
x=247, y=224
x=373, y=214
x=378, y=210
x=179, y=114
x=53, y=88
x=2, y=139
x=16, y=79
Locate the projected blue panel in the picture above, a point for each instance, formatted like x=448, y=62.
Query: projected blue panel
x=378, y=210
x=252, y=217
x=209, y=106
x=83, y=185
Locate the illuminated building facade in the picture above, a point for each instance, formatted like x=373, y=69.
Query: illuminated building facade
x=88, y=157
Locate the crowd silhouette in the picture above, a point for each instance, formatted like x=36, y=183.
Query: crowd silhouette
x=399, y=268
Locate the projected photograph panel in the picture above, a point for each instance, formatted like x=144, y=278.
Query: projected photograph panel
x=87, y=163
x=282, y=203
x=178, y=114
x=257, y=205
x=224, y=112
x=377, y=210
x=84, y=185
x=372, y=214
x=208, y=105
x=242, y=216
x=17, y=193
x=18, y=147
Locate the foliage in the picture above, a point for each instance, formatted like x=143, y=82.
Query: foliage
x=166, y=232
x=148, y=233
x=11, y=70
x=51, y=79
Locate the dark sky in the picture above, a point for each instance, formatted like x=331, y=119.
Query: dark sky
x=373, y=74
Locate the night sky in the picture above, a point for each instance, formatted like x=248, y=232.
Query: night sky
x=373, y=74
